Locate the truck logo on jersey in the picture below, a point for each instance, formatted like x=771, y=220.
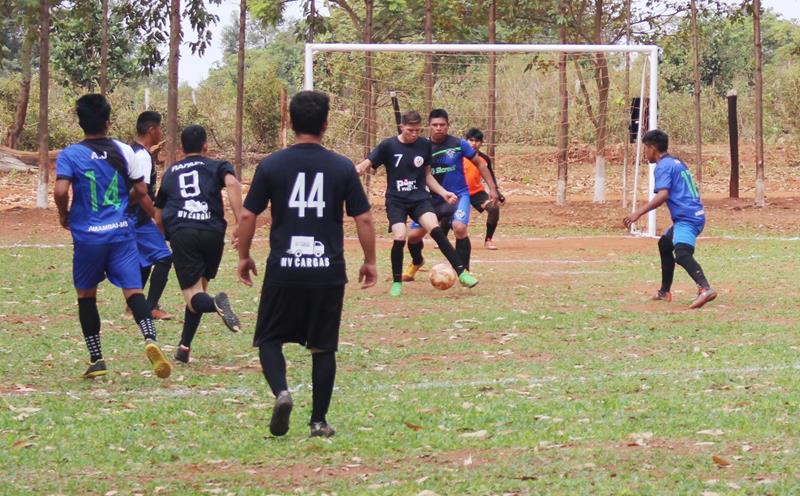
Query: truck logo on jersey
x=418, y=161
x=406, y=184
x=303, y=247
x=194, y=210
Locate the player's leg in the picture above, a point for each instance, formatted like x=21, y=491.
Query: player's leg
x=397, y=214
x=665, y=250
x=685, y=239
x=492, y=219
x=156, y=260
x=415, y=245
x=429, y=220
x=86, y=275
x=158, y=281
x=460, y=229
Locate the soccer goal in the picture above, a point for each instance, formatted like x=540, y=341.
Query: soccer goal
x=569, y=112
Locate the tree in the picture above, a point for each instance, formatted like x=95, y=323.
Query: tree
x=759, y=91
x=698, y=130
x=26, y=66
x=44, y=86
x=240, y=88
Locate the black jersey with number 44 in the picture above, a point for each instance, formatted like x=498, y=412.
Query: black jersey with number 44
x=191, y=194
x=308, y=187
x=405, y=167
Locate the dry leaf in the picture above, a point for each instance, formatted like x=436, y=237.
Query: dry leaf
x=481, y=434
x=721, y=462
x=711, y=432
x=413, y=427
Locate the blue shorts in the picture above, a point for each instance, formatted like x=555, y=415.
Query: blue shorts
x=151, y=245
x=684, y=232
x=117, y=261
x=458, y=212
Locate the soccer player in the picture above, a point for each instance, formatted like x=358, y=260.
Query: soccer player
x=105, y=179
x=448, y=170
x=190, y=210
x=153, y=252
x=309, y=189
x=675, y=186
x=407, y=158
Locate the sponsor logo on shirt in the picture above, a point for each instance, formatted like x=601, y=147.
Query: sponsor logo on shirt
x=109, y=227
x=406, y=184
x=95, y=156
x=443, y=169
x=418, y=161
x=194, y=210
x=308, y=253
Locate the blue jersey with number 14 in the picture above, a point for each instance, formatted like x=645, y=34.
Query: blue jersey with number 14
x=684, y=200
x=101, y=172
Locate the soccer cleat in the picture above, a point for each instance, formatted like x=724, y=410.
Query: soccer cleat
x=279, y=423
x=161, y=366
x=321, y=429
x=411, y=271
x=225, y=311
x=467, y=280
x=489, y=244
x=703, y=297
x=397, y=289
x=159, y=314
x=182, y=354
x=96, y=369
x=662, y=296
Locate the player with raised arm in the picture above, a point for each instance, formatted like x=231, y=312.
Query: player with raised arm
x=105, y=180
x=407, y=158
x=154, y=255
x=675, y=186
x=190, y=210
x=448, y=169
x=308, y=188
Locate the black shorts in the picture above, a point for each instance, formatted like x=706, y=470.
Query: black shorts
x=196, y=253
x=478, y=199
x=398, y=211
x=306, y=316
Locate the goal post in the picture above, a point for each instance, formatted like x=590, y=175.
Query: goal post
x=648, y=53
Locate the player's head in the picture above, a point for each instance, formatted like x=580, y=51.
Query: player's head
x=656, y=143
x=475, y=137
x=194, y=140
x=148, y=126
x=439, y=123
x=410, y=126
x=94, y=114
x=309, y=112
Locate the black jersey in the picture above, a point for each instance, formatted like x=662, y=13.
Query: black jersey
x=308, y=187
x=405, y=167
x=191, y=194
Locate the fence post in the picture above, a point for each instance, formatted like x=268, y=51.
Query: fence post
x=733, y=137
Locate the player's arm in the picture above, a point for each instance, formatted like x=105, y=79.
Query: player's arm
x=234, y=190
x=61, y=197
x=244, y=233
x=486, y=174
x=657, y=201
x=438, y=189
x=363, y=166
x=368, y=274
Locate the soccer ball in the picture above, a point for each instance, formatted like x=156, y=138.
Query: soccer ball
x=443, y=276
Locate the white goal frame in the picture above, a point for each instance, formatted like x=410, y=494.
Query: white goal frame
x=650, y=50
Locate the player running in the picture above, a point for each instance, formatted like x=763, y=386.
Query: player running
x=309, y=188
x=407, y=158
x=675, y=186
x=105, y=179
x=448, y=169
x=189, y=207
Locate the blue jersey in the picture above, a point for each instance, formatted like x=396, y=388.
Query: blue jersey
x=684, y=200
x=101, y=172
x=447, y=163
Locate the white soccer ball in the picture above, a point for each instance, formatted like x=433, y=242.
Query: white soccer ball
x=443, y=276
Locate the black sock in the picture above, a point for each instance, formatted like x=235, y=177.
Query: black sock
x=145, y=274
x=323, y=374
x=397, y=260
x=90, y=325
x=665, y=249
x=191, y=321
x=158, y=282
x=492, y=219
x=445, y=225
x=448, y=250
x=684, y=257
x=203, y=303
x=415, y=249
x=141, y=315
x=273, y=365
x=464, y=249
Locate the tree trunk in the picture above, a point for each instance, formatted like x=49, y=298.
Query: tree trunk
x=312, y=20
x=627, y=99
x=44, y=86
x=563, y=128
x=602, y=119
x=368, y=90
x=492, y=134
x=175, y=36
x=428, y=58
x=760, y=187
x=26, y=65
x=104, y=50
x=698, y=130
x=240, y=89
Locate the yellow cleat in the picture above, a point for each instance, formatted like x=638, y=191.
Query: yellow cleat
x=161, y=366
x=411, y=271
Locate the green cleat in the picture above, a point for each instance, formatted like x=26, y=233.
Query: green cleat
x=397, y=289
x=467, y=280
x=96, y=369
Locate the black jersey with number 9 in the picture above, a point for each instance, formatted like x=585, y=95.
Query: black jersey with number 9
x=308, y=188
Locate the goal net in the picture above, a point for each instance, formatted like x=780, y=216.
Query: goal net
x=517, y=95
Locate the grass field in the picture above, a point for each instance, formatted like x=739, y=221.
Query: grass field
x=555, y=375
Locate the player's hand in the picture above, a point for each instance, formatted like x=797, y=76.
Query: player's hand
x=627, y=221
x=63, y=219
x=246, y=266
x=492, y=195
x=500, y=198
x=450, y=197
x=368, y=275
x=235, y=239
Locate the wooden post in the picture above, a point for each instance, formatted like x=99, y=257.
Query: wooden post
x=698, y=130
x=760, y=187
x=104, y=50
x=563, y=128
x=312, y=20
x=368, y=114
x=44, y=86
x=428, y=58
x=492, y=131
x=172, y=86
x=239, y=124
x=733, y=138
x=284, y=118
x=627, y=98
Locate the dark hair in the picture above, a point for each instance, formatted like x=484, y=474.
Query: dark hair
x=474, y=133
x=94, y=112
x=193, y=138
x=437, y=113
x=309, y=112
x=657, y=139
x=146, y=120
x=410, y=117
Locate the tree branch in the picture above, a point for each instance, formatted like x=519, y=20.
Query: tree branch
x=587, y=101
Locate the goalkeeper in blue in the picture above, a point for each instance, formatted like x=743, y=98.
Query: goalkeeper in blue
x=675, y=186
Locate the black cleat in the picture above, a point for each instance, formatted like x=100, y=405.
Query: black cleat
x=182, y=354
x=225, y=311
x=96, y=369
x=279, y=423
x=321, y=429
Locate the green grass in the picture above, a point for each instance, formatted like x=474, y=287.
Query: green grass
x=548, y=378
